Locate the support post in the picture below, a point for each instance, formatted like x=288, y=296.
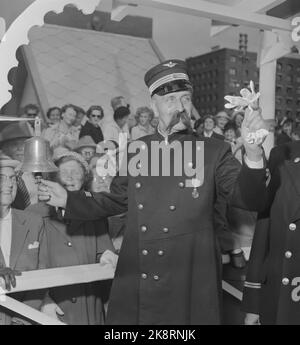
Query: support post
x=267, y=86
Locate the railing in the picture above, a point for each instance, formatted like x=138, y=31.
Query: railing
x=43, y=279
x=48, y=278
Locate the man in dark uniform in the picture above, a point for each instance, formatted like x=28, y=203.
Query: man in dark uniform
x=169, y=266
x=271, y=292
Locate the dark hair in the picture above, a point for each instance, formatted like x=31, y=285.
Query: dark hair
x=67, y=106
x=51, y=109
x=230, y=125
x=31, y=106
x=198, y=123
x=79, y=110
x=120, y=113
x=209, y=117
x=95, y=107
x=288, y=121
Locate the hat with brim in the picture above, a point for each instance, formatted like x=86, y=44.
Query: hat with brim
x=15, y=131
x=168, y=76
x=7, y=162
x=85, y=141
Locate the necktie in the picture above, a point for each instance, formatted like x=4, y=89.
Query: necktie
x=23, y=191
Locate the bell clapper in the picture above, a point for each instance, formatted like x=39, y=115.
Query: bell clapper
x=38, y=177
x=37, y=127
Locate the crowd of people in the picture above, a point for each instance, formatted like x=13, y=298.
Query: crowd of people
x=48, y=239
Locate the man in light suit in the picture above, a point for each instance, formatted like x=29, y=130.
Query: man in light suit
x=22, y=245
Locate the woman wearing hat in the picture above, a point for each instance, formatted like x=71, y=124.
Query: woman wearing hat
x=75, y=243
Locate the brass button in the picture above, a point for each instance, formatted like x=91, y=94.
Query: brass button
x=165, y=230
x=292, y=227
x=288, y=254
x=156, y=277
x=69, y=244
x=143, y=228
x=138, y=185
x=297, y=160
x=160, y=252
x=140, y=206
x=181, y=184
x=145, y=252
x=285, y=281
x=144, y=275
x=172, y=208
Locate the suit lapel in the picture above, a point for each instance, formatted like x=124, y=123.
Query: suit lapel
x=19, y=233
x=2, y=262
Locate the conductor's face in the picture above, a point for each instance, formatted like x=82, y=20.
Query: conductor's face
x=173, y=109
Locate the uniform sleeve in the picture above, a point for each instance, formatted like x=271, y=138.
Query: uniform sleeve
x=255, y=277
x=93, y=206
x=240, y=185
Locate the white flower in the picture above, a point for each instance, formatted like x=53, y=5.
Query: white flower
x=247, y=100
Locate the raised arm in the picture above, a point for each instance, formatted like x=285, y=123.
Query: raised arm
x=86, y=205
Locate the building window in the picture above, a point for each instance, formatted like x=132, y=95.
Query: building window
x=298, y=79
x=289, y=90
x=232, y=71
x=278, y=89
x=289, y=102
x=279, y=77
x=298, y=69
x=289, y=68
x=246, y=73
x=289, y=79
x=298, y=90
x=278, y=101
x=278, y=113
x=233, y=59
x=256, y=74
x=279, y=66
x=288, y=113
x=298, y=102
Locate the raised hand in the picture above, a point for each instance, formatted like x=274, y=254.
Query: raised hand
x=52, y=193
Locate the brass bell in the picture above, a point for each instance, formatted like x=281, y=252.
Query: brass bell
x=37, y=154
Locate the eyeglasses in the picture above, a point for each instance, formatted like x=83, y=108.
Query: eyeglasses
x=96, y=116
x=5, y=178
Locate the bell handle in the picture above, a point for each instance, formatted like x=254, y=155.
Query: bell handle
x=37, y=127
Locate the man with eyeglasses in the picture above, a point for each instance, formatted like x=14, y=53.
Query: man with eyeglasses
x=22, y=242
x=92, y=127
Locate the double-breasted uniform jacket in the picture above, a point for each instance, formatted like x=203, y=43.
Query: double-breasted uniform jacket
x=76, y=243
x=28, y=252
x=272, y=283
x=169, y=269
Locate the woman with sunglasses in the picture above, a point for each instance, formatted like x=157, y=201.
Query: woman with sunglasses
x=92, y=127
